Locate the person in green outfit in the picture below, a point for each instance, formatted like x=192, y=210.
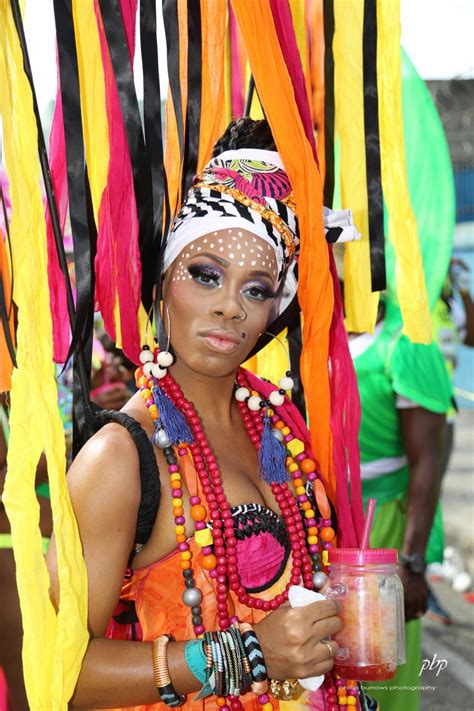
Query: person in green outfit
x=405, y=392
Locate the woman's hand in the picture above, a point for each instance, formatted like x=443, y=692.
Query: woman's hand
x=290, y=639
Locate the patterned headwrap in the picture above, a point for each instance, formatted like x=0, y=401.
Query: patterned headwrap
x=246, y=189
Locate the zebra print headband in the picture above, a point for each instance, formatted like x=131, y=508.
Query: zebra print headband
x=247, y=189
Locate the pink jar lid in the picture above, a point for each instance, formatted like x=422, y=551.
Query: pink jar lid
x=369, y=556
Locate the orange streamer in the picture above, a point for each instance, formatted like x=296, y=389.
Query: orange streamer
x=315, y=284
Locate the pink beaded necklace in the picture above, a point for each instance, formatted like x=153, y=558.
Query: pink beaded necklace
x=219, y=547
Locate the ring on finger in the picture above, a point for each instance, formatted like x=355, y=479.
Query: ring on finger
x=331, y=653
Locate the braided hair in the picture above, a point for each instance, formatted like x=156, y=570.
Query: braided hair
x=245, y=133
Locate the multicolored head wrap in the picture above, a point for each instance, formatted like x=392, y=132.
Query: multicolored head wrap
x=246, y=189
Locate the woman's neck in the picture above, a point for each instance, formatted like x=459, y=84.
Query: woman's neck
x=211, y=396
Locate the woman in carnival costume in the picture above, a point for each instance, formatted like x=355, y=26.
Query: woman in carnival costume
x=203, y=567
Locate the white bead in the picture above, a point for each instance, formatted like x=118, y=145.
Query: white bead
x=158, y=372
x=276, y=398
x=254, y=402
x=146, y=357
x=241, y=394
x=278, y=434
x=165, y=359
x=147, y=368
x=286, y=383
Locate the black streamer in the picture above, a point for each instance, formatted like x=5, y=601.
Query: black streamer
x=119, y=55
x=78, y=210
x=329, y=111
x=6, y=314
x=193, y=109
x=372, y=148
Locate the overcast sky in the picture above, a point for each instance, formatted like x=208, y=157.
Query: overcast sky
x=437, y=35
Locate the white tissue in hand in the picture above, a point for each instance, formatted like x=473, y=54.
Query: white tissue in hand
x=299, y=597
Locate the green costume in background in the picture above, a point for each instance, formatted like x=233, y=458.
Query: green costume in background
x=394, y=373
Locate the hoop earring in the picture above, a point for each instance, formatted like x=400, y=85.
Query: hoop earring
x=164, y=359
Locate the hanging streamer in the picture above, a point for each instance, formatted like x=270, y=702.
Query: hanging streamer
x=213, y=109
x=53, y=650
x=372, y=148
x=360, y=303
x=119, y=30
x=193, y=107
x=315, y=291
x=7, y=330
x=84, y=251
x=118, y=267
x=329, y=100
x=402, y=227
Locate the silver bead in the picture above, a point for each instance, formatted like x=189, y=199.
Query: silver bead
x=278, y=434
x=319, y=579
x=192, y=597
x=161, y=439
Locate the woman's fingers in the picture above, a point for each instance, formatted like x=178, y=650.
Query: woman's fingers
x=326, y=627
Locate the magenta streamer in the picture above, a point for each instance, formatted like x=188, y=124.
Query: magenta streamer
x=57, y=283
x=345, y=419
x=117, y=263
x=236, y=78
x=286, y=36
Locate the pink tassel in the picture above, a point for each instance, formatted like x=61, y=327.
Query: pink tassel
x=57, y=283
x=117, y=264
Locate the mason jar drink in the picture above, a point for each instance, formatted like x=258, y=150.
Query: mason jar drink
x=372, y=638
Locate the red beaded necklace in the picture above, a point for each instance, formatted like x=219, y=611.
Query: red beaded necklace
x=219, y=547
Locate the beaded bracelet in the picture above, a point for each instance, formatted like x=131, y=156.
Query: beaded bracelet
x=162, y=676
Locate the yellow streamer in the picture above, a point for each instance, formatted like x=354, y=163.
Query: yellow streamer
x=360, y=303
x=402, y=228
x=54, y=645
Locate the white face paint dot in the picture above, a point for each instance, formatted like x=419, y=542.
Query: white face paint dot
x=231, y=255
x=253, y=263
x=199, y=249
x=211, y=245
x=215, y=235
x=219, y=240
x=191, y=246
x=205, y=241
x=221, y=249
x=241, y=264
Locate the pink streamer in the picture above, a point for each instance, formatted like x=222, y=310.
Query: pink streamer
x=57, y=283
x=117, y=264
x=345, y=419
x=286, y=35
x=237, y=80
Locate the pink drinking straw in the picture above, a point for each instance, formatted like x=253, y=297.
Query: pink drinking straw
x=369, y=517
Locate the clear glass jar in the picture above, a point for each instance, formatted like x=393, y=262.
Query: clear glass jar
x=372, y=638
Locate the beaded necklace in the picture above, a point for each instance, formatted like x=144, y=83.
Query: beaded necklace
x=219, y=545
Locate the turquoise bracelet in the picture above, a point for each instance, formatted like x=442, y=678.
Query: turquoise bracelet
x=196, y=659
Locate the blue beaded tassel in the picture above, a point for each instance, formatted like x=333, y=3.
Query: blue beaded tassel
x=271, y=456
x=171, y=420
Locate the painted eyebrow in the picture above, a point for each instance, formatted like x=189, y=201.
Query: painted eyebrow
x=222, y=262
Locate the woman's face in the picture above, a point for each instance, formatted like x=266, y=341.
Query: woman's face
x=219, y=293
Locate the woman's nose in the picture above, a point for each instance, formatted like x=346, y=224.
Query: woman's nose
x=228, y=305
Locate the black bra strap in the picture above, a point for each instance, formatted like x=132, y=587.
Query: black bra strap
x=149, y=474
